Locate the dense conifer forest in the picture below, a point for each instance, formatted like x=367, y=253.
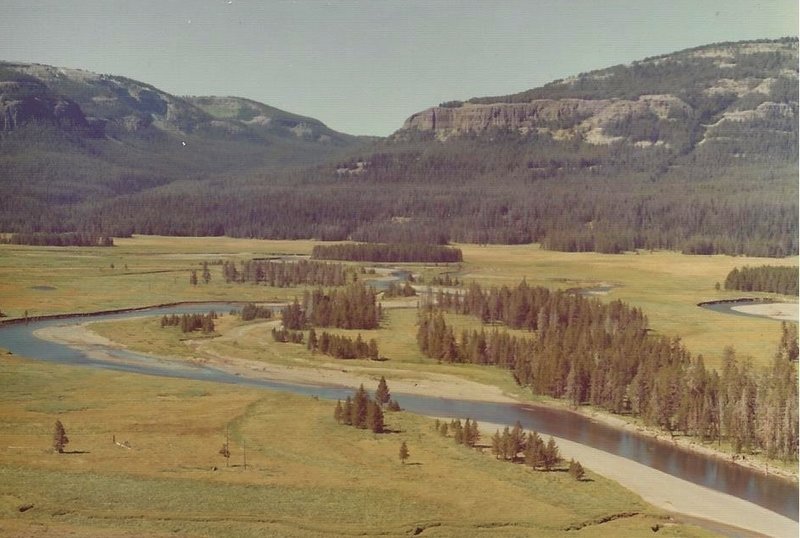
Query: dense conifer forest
x=68, y=239
x=715, y=175
x=764, y=278
x=386, y=253
x=288, y=274
x=343, y=347
x=588, y=352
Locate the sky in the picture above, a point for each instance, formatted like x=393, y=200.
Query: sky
x=362, y=67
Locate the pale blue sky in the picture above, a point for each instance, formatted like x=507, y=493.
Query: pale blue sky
x=363, y=67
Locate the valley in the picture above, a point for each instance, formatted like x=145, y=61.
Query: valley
x=222, y=318
x=156, y=270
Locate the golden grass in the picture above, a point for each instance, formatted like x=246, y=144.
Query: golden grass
x=306, y=475
x=666, y=285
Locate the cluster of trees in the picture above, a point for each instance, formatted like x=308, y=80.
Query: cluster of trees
x=191, y=322
x=467, y=434
x=398, y=290
x=589, y=352
x=343, y=347
x=514, y=446
x=283, y=274
x=445, y=280
x=391, y=252
x=251, y=311
x=285, y=335
x=68, y=239
x=360, y=411
x=206, y=275
x=789, y=346
x=352, y=307
x=775, y=279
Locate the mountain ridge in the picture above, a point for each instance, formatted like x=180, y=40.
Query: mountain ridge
x=695, y=151
x=699, y=90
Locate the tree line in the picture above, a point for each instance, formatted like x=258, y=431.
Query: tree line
x=251, y=311
x=285, y=274
x=363, y=412
x=770, y=278
x=586, y=351
x=397, y=290
x=190, y=322
x=384, y=253
x=351, y=307
x=343, y=347
x=511, y=445
x=285, y=335
x=67, y=239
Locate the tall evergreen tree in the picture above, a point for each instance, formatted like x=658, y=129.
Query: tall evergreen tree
x=60, y=439
x=337, y=413
x=404, y=454
x=374, y=418
x=382, y=394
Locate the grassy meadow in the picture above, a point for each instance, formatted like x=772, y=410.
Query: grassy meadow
x=152, y=269
x=305, y=475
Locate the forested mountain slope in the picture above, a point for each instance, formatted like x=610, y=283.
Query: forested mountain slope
x=693, y=151
x=68, y=135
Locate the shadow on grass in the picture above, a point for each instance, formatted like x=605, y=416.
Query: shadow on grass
x=75, y=452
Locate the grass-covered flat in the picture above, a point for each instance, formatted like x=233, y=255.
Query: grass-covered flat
x=151, y=270
x=305, y=476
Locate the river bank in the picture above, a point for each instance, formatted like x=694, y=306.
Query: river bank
x=402, y=381
x=672, y=494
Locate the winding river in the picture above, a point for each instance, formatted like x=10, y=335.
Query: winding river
x=770, y=492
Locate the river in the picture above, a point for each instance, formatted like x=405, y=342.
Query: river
x=773, y=493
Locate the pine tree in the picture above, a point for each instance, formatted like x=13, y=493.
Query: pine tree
x=347, y=411
x=60, y=439
x=474, y=434
x=404, y=454
x=312, y=340
x=551, y=454
x=358, y=415
x=382, y=395
x=505, y=444
x=337, y=413
x=533, y=450
x=374, y=417
x=225, y=453
x=497, y=444
x=516, y=440
x=458, y=431
x=193, y=278
x=206, y=273
x=466, y=432
x=373, y=352
x=576, y=470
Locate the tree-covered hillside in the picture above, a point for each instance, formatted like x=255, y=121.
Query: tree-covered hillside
x=693, y=151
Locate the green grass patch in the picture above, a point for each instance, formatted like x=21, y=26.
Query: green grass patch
x=305, y=476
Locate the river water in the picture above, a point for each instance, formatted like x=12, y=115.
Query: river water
x=770, y=492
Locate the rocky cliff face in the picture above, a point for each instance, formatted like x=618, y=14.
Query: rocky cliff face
x=680, y=99
x=562, y=119
x=26, y=102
